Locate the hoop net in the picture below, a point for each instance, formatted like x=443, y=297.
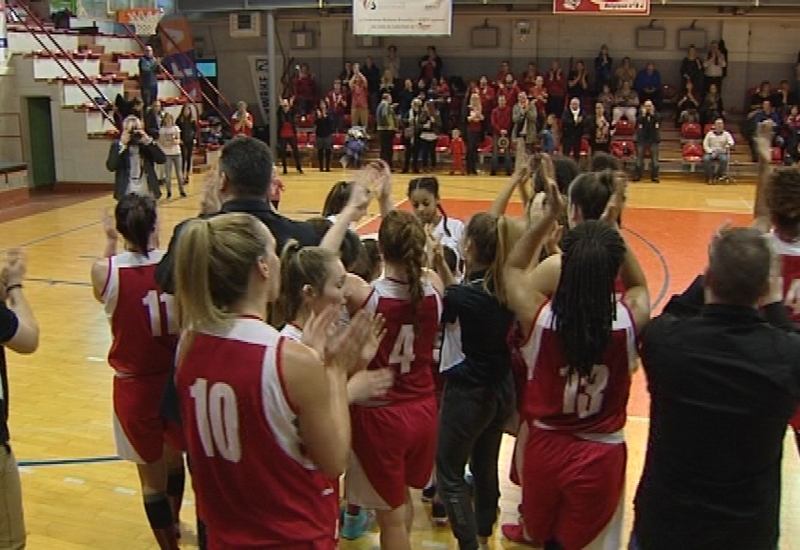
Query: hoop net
x=143, y=20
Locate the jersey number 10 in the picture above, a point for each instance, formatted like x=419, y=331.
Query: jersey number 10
x=217, y=419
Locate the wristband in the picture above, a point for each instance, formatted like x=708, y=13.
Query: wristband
x=9, y=288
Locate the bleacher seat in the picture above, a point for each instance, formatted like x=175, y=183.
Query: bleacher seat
x=692, y=154
x=397, y=143
x=443, y=144
x=623, y=149
x=338, y=141
x=777, y=155
x=707, y=128
x=485, y=147
x=691, y=131
x=624, y=128
x=585, y=148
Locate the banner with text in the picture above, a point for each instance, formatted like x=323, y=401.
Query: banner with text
x=259, y=69
x=602, y=7
x=402, y=17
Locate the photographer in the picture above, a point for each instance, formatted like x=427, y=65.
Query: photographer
x=132, y=158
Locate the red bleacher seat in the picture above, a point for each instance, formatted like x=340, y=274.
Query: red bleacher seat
x=623, y=148
x=443, y=144
x=338, y=141
x=707, y=128
x=691, y=130
x=777, y=155
x=485, y=148
x=585, y=147
x=302, y=139
x=692, y=153
x=311, y=140
x=624, y=128
x=397, y=143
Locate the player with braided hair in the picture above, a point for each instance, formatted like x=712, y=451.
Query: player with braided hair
x=394, y=437
x=579, y=351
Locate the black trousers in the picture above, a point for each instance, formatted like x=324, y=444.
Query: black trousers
x=571, y=146
x=291, y=142
x=386, y=137
x=186, y=155
x=473, y=141
x=471, y=421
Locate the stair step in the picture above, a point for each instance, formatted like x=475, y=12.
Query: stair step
x=201, y=168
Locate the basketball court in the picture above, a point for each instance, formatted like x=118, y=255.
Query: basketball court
x=77, y=495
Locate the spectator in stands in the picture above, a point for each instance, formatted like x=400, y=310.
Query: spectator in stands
x=711, y=108
x=556, y=88
x=444, y=100
x=346, y=76
x=501, y=130
x=431, y=65
x=170, y=142
x=525, y=134
x=305, y=91
x=792, y=128
x=606, y=98
x=132, y=158
x=715, y=65
x=626, y=72
x=528, y=79
x=547, y=135
x=487, y=95
x=538, y=95
x=152, y=120
x=603, y=70
x=505, y=69
x=386, y=122
x=510, y=89
x=796, y=85
x=648, y=85
x=337, y=103
x=431, y=125
x=149, y=67
x=406, y=96
x=387, y=83
x=688, y=109
x=410, y=131
x=373, y=75
x=359, y=98
x=474, y=132
x=572, y=129
x=242, y=121
x=188, y=127
x=577, y=81
x=692, y=69
x=716, y=147
x=599, y=130
x=626, y=103
x=391, y=63
x=324, y=126
x=287, y=134
x=764, y=93
x=783, y=98
x=648, y=136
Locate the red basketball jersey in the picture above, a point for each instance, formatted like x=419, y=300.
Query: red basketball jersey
x=143, y=325
x=790, y=272
x=619, y=288
x=255, y=487
x=411, y=334
x=593, y=405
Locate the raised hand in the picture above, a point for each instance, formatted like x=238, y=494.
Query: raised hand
x=374, y=339
x=617, y=201
x=109, y=225
x=555, y=205
x=319, y=329
x=15, y=267
x=343, y=351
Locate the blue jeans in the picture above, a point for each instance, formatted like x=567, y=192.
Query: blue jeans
x=708, y=160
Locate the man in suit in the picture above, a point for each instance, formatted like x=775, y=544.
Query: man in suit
x=132, y=158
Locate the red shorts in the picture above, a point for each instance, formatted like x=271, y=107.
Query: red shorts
x=795, y=421
x=139, y=429
x=214, y=543
x=394, y=447
x=571, y=488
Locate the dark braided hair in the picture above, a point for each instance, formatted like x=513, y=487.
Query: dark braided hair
x=584, y=305
x=783, y=198
x=431, y=185
x=402, y=240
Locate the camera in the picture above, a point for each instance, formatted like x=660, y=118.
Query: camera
x=136, y=136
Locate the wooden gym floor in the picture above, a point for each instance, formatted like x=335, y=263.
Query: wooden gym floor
x=78, y=496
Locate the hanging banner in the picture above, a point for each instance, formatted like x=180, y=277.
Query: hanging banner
x=602, y=7
x=177, y=46
x=402, y=17
x=259, y=69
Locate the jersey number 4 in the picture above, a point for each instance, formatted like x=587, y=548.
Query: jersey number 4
x=217, y=419
x=403, y=350
x=584, y=395
x=160, y=306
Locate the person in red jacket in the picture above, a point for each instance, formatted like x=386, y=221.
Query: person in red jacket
x=501, y=128
x=457, y=151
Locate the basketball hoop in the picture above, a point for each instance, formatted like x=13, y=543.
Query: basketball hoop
x=143, y=20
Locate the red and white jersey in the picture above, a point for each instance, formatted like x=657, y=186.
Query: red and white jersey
x=255, y=487
x=556, y=400
x=143, y=325
x=411, y=334
x=292, y=332
x=790, y=272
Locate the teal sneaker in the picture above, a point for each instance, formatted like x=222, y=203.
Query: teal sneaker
x=354, y=526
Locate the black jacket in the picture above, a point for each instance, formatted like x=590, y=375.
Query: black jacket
x=118, y=163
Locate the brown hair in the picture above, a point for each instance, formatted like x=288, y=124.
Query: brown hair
x=492, y=238
x=301, y=266
x=402, y=241
x=212, y=267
